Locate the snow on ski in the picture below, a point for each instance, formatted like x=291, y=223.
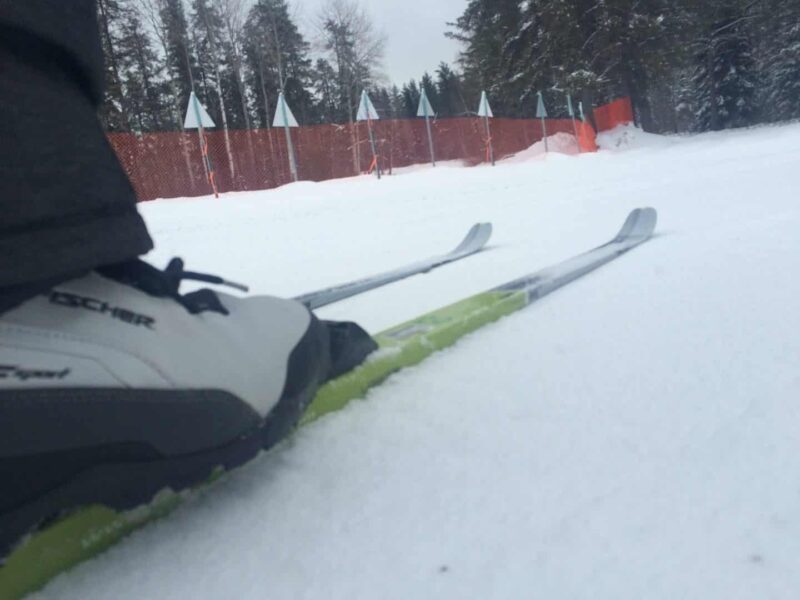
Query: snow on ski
x=473, y=242
x=87, y=532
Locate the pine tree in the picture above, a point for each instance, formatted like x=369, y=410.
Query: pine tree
x=448, y=88
x=206, y=29
x=232, y=14
x=353, y=48
x=114, y=111
x=142, y=76
x=324, y=84
x=180, y=61
x=632, y=50
x=395, y=102
x=382, y=101
x=725, y=79
x=485, y=28
x=411, y=95
x=277, y=55
x=549, y=50
x=427, y=84
x=780, y=60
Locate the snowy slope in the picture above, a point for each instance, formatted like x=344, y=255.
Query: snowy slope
x=632, y=436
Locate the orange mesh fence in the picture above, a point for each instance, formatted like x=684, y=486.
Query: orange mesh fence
x=587, y=138
x=168, y=165
x=618, y=112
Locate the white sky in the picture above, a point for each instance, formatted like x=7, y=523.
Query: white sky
x=414, y=29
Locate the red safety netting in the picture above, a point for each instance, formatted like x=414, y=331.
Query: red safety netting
x=618, y=112
x=168, y=165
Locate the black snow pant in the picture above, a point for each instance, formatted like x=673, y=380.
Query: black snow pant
x=66, y=205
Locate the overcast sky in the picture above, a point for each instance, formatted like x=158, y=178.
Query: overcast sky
x=414, y=30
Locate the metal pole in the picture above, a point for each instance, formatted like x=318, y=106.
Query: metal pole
x=430, y=136
x=544, y=131
x=201, y=132
x=489, y=139
x=571, y=111
x=289, y=145
x=374, y=148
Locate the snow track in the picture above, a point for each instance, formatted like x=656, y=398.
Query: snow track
x=633, y=436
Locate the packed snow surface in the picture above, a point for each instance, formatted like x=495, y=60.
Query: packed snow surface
x=634, y=435
x=558, y=143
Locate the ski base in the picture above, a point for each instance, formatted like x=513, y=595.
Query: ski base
x=87, y=532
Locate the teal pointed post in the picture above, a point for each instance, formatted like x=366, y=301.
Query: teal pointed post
x=485, y=111
x=289, y=144
x=367, y=112
x=198, y=118
x=284, y=117
x=541, y=112
x=426, y=110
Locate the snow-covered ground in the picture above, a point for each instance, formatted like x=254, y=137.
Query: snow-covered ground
x=635, y=435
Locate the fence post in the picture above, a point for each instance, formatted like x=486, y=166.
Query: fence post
x=198, y=118
x=485, y=111
x=285, y=118
x=367, y=112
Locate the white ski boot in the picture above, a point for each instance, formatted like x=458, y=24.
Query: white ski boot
x=114, y=386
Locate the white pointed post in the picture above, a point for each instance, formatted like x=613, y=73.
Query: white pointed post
x=367, y=112
x=285, y=118
x=198, y=118
x=485, y=111
x=571, y=112
x=541, y=113
x=426, y=110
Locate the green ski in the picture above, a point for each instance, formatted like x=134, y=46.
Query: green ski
x=86, y=532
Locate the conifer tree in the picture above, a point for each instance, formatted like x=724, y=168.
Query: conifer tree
x=180, y=60
x=146, y=92
x=410, y=94
x=325, y=87
x=780, y=59
x=427, y=84
x=450, y=102
x=485, y=29
x=354, y=49
x=725, y=81
x=114, y=111
x=396, y=102
x=277, y=55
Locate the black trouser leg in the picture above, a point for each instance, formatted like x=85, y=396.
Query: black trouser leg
x=66, y=206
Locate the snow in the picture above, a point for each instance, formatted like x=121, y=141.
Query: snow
x=634, y=435
x=628, y=137
x=558, y=143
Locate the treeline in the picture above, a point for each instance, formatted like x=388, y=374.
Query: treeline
x=686, y=64
x=238, y=55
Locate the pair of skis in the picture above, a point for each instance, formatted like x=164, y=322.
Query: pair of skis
x=88, y=531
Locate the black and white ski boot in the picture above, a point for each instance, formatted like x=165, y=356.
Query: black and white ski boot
x=114, y=386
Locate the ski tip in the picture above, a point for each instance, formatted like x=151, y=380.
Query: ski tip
x=640, y=224
x=476, y=238
x=646, y=223
x=483, y=234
